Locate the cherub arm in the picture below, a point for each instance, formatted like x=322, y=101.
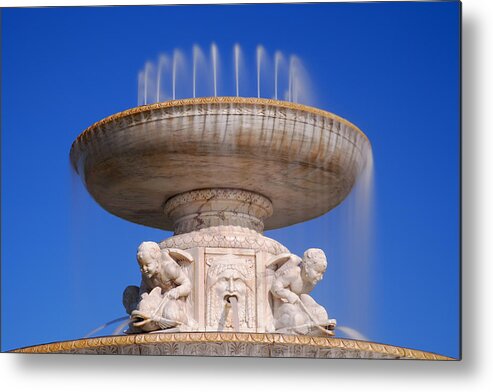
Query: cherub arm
x=176, y=274
x=180, y=279
x=281, y=286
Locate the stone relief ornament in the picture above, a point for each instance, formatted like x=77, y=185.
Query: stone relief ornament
x=232, y=344
x=163, y=301
x=290, y=280
x=230, y=293
x=225, y=237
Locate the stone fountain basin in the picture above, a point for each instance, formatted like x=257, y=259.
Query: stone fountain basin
x=304, y=160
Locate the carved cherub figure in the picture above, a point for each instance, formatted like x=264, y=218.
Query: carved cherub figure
x=294, y=311
x=161, y=300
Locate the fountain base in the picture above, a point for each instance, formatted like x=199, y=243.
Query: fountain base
x=213, y=344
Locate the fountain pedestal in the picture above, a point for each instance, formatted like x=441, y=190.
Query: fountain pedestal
x=230, y=266
x=221, y=229
x=229, y=261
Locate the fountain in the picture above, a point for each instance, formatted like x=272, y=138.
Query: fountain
x=218, y=171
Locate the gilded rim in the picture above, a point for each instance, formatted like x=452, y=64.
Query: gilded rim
x=218, y=100
x=231, y=337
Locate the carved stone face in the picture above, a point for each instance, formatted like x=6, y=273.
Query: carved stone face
x=230, y=276
x=148, y=263
x=230, y=283
x=313, y=266
x=314, y=272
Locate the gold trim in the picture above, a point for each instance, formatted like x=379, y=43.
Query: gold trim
x=219, y=100
x=232, y=337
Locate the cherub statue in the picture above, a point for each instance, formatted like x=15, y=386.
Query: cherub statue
x=292, y=278
x=161, y=301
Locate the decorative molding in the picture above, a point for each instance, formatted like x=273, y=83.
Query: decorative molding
x=232, y=344
x=239, y=195
x=201, y=208
x=225, y=237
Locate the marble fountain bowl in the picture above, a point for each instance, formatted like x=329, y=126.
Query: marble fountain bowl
x=303, y=160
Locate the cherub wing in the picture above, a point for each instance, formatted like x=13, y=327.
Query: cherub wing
x=183, y=258
x=278, y=263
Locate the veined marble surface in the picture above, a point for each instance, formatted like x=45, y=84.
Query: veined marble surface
x=304, y=160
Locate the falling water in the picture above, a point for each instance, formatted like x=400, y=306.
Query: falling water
x=214, y=66
x=201, y=72
x=352, y=232
x=118, y=330
x=79, y=218
x=351, y=333
x=163, y=62
x=237, y=69
x=147, y=75
x=291, y=77
x=277, y=60
x=234, y=309
x=126, y=318
x=174, y=75
x=195, y=55
x=176, y=57
x=167, y=77
x=260, y=51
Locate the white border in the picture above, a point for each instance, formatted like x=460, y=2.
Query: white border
x=474, y=373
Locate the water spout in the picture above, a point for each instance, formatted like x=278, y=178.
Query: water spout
x=277, y=60
x=163, y=62
x=260, y=50
x=214, y=66
x=351, y=333
x=237, y=76
x=118, y=330
x=175, y=60
x=167, y=77
x=195, y=54
x=126, y=318
x=234, y=310
x=148, y=69
x=291, y=78
x=353, y=230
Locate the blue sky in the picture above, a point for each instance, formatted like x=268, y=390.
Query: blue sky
x=390, y=68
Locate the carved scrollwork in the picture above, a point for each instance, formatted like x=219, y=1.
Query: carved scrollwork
x=243, y=344
x=225, y=237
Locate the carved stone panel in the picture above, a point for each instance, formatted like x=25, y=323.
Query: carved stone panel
x=230, y=290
